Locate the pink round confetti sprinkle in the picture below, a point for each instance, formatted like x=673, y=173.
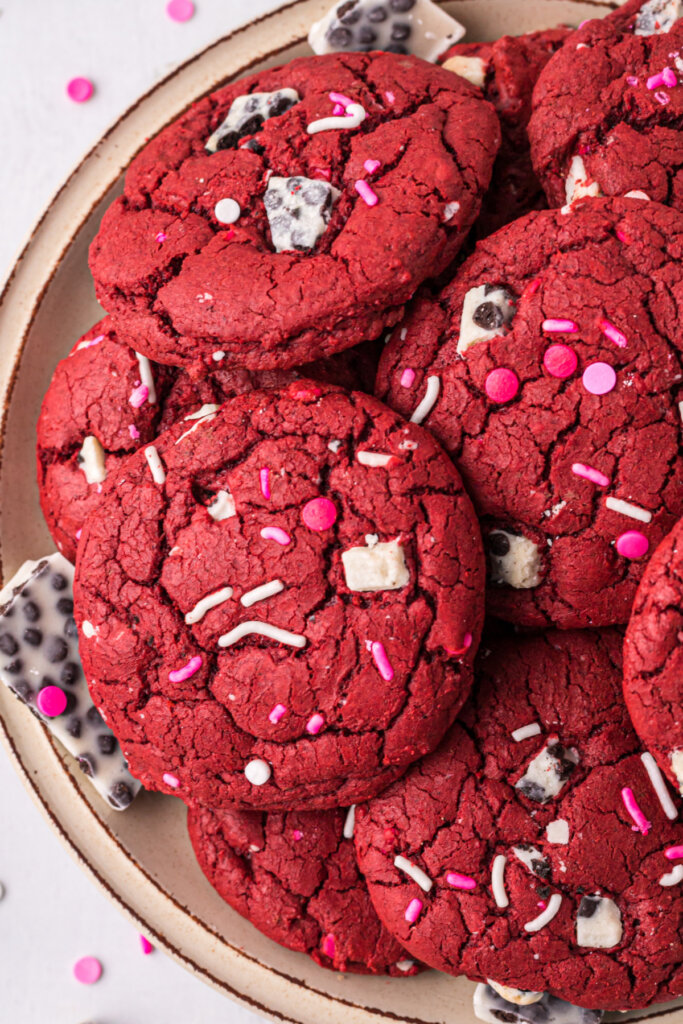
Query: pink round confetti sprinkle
x=662, y=97
x=179, y=675
x=87, y=970
x=366, y=193
x=180, y=10
x=372, y=165
x=407, y=378
x=264, y=477
x=315, y=724
x=654, y=81
x=501, y=385
x=632, y=80
x=277, y=713
x=381, y=660
x=146, y=945
x=460, y=881
x=297, y=835
x=631, y=805
x=337, y=110
x=669, y=77
x=613, y=333
x=170, y=780
x=339, y=97
x=560, y=326
x=79, y=89
x=413, y=911
x=134, y=432
x=319, y=514
x=599, y=378
x=632, y=544
x=139, y=396
x=51, y=701
x=277, y=534
x=329, y=946
x=674, y=852
x=560, y=361
x=160, y=237
x=588, y=473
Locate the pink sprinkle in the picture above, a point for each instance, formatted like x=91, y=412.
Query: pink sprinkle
x=179, y=675
x=542, y=904
x=599, y=378
x=311, y=392
x=669, y=77
x=180, y=10
x=381, y=660
x=560, y=326
x=621, y=236
x=674, y=852
x=460, y=881
x=501, y=385
x=631, y=805
x=78, y=534
x=170, y=780
x=339, y=97
x=329, y=946
x=584, y=22
x=139, y=396
x=632, y=544
x=366, y=193
x=51, y=701
x=654, y=81
x=613, y=333
x=662, y=97
x=297, y=835
x=413, y=911
x=160, y=237
x=79, y=89
x=134, y=432
x=315, y=724
x=264, y=477
x=372, y=165
x=319, y=514
x=632, y=80
x=277, y=534
x=147, y=946
x=337, y=110
x=531, y=288
x=95, y=341
x=407, y=378
x=324, y=172
x=87, y=970
x=466, y=644
x=560, y=361
x=588, y=473
x=390, y=96
x=277, y=713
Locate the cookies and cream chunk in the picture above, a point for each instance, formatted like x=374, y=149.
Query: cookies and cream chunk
x=513, y=560
x=247, y=114
x=299, y=210
x=598, y=923
x=486, y=312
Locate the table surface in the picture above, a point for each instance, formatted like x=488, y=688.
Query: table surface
x=51, y=915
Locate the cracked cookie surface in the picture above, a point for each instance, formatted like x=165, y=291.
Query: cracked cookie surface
x=541, y=876
x=194, y=289
x=550, y=369
x=281, y=602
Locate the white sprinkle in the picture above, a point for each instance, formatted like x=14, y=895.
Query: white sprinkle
x=449, y=211
x=680, y=410
x=659, y=786
x=498, y=881
x=557, y=832
x=262, y=592
x=672, y=877
x=91, y=460
x=350, y=822
x=283, y=636
x=147, y=377
x=210, y=601
x=88, y=630
x=205, y=410
x=154, y=463
x=334, y=446
x=351, y=118
x=546, y=916
x=626, y=509
x=525, y=731
x=257, y=772
x=405, y=965
x=217, y=356
x=206, y=418
x=222, y=506
x=227, y=211
x=373, y=458
x=427, y=403
x=412, y=870
x=636, y=194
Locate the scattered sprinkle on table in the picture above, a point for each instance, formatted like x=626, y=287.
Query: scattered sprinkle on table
x=180, y=10
x=87, y=970
x=79, y=89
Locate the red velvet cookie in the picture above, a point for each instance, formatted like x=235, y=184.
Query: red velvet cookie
x=292, y=213
x=279, y=604
x=98, y=409
x=608, y=109
x=550, y=368
x=506, y=71
x=531, y=847
x=295, y=877
x=653, y=657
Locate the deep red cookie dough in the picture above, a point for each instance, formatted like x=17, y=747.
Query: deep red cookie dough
x=510, y=67
x=208, y=287
x=557, y=470
x=601, y=100
x=295, y=877
x=459, y=810
x=95, y=392
x=653, y=657
x=363, y=682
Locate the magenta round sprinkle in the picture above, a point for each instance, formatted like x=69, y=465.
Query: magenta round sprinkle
x=366, y=193
x=632, y=80
x=87, y=970
x=460, y=881
x=674, y=852
x=264, y=477
x=669, y=77
x=297, y=835
x=632, y=544
x=319, y=514
x=79, y=89
x=372, y=165
x=146, y=945
x=631, y=805
x=588, y=473
x=180, y=10
x=560, y=361
x=337, y=110
x=599, y=378
x=315, y=724
x=160, y=237
x=413, y=911
x=381, y=659
x=277, y=713
x=139, y=396
x=170, y=780
x=560, y=326
x=407, y=378
x=501, y=385
x=613, y=333
x=51, y=701
x=179, y=675
x=329, y=946
x=277, y=534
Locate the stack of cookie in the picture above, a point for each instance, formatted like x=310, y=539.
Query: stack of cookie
x=283, y=557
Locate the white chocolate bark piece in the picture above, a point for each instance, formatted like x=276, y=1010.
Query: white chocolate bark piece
x=518, y=996
x=376, y=567
x=598, y=923
x=578, y=183
x=91, y=460
x=397, y=26
x=677, y=767
x=514, y=560
x=471, y=68
x=548, y=772
x=299, y=210
x=486, y=312
x=657, y=16
x=491, y=1007
x=247, y=114
x=38, y=648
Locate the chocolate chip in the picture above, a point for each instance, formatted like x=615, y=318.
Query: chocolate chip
x=254, y=146
x=228, y=141
x=32, y=636
x=489, y=316
x=543, y=892
x=272, y=200
x=252, y=125
x=400, y=32
x=70, y=628
x=58, y=581
x=280, y=105
x=70, y=673
x=87, y=764
x=31, y=611
x=94, y=716
x=347, y=13
x=401, y=5
x=541, y=868
x=498, y=544
x=14, y=667
x=22, y=689
x=65, y=606
x=397, y=48
x=340, y=36
x=315, y=193
x=8, y=645
x=532, y=790
x=56, y=649
x=73, y=727
x=366, y=35
x=120, y=795
x=376, y=14
x=106, y=743
x=503, y=1015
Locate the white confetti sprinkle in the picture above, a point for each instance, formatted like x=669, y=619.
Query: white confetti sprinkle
x=262, y=592
x=429, y=400
x=546, y=916
x=414, y=872
x=283, y=636
x=525, y=731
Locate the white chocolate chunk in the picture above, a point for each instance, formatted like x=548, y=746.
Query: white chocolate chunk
x=578, y=183
x=657, y=16
x=298, y=210
x=471, y=68
x=548, y=772
x=222, y=506
x=677, y=766
x=91, y=460
x=514, y=560
x=518, y=996
x=380, y=567
x=490, y=1006
x=557, y=832
x=487, y=310
x=247, y=114
x=598, y=923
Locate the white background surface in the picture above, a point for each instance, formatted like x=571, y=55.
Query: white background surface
x=51, y=914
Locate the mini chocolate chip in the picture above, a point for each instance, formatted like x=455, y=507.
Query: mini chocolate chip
x=272, y=199
x=280, y=105
x=87, y=764
x=541, y=868
x=227, y=141
x=70, y=673
x=533, y=791
x=400, y=32
x=397, y=48
x=347, y=13
x=366, y=35
x=376, y=14
x=73, y=727
x=315, y=193
x=588, y=906
x=120, y=795
x=22, y=689
x=8, y=645
x=58, y=581
x=106, y=743
x=252, y=125
x=70, y=628
x=340, y=36
x=489, y=316
x=31, y=611
x=65, y=606
x=544, y=892
x=32, y=636
x=94, y=716
x=505, y=1017
x=498, y=544
x=56, y=649
x=401, y=5
x=14, y=667
x=254, y=146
